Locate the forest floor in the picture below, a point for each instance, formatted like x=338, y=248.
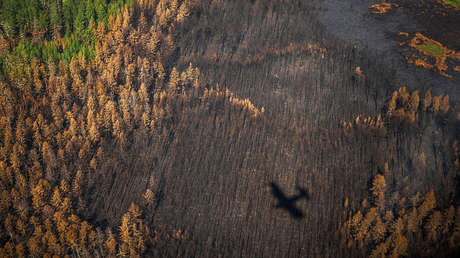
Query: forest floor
x=353, y=23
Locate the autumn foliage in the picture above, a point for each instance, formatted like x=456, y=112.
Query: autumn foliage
x=160, y=139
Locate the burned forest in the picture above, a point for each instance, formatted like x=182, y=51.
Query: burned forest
x=229, y=128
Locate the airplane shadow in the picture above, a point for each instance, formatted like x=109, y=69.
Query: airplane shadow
x=289, y=204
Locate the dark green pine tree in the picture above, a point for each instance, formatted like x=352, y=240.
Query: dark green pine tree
x=55, y=16
x=8, y=17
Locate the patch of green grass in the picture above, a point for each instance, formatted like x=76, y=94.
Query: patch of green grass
x=455, y=3
x=433, y=49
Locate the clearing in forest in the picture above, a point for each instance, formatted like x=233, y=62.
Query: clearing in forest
x=455, y=3
x=432, y=54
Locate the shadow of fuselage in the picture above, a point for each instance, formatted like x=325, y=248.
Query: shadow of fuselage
x=288, y=204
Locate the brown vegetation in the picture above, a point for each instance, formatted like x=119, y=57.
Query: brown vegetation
x=395, y=229
x=442, y=60
x=152, y=148
x=382, y=8
x=62, y=122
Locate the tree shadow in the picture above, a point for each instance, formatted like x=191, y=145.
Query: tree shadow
x=289, y=204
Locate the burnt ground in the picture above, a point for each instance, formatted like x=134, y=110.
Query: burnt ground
x=212, y=174
x=441, y=23
x=351, y=22
x=214, y=186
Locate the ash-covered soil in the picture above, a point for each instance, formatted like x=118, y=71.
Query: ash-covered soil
x=212, y=174
x=352, y=22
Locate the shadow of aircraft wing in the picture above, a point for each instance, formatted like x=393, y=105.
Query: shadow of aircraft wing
x=277, y=193
x=303, y=193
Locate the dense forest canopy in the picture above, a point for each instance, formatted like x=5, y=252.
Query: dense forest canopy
x=210, y=128
x=51, y=31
